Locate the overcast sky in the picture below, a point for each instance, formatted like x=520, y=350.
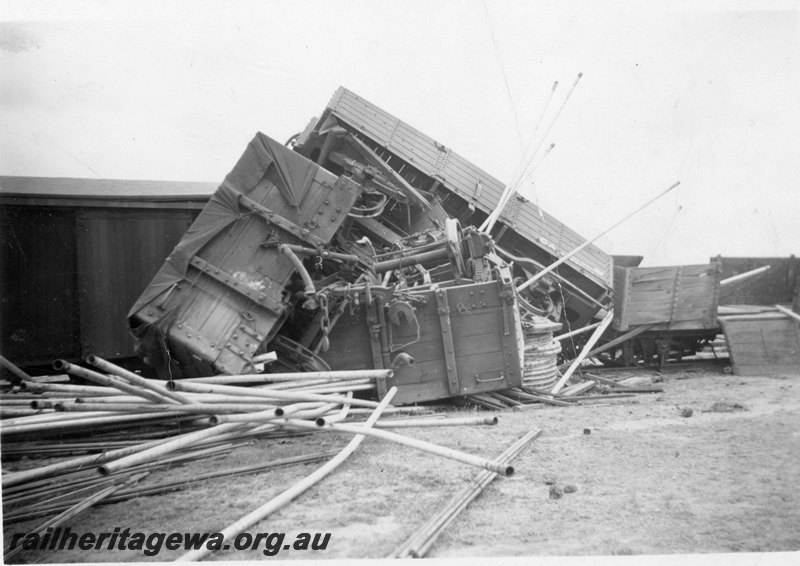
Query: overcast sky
x=705, y=93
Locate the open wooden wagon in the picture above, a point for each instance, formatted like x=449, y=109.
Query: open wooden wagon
x=660, y=313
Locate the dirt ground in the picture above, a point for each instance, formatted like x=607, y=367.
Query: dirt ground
x=648, y=481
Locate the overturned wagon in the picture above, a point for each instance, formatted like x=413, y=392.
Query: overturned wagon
x=259, y=271
x=445, y=184
x=332, y=256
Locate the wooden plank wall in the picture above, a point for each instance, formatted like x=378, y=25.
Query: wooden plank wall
x=674, y=297
x=118, y=252
x=763, y=344
x=38, y=279
x=481, y=350
x=69, y=276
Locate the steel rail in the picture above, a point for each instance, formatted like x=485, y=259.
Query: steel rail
x=16, y=478
x=420, y=542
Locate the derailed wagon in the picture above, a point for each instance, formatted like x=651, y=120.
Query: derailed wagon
x=349, y=252
x=446, y=184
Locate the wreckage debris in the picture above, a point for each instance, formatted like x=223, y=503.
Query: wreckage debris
x=130, y=426
x=343, y=271
x=340, y=253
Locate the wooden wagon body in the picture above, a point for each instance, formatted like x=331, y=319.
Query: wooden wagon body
x=221, y=293
x=460, y=339
x=672, y=298
x=466, y=192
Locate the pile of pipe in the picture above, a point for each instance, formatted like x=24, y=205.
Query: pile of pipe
x=102, y=440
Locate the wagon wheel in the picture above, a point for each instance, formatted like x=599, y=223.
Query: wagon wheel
x=453, y=238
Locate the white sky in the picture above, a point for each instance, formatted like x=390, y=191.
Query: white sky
x=701, y=92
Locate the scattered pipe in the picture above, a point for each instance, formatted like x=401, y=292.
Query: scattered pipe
x=58, y=378
x=51, y=388
x=743, y=276
x=265, y=416
x=488, y=224
x=265, y=393
x=47, y=417
x=173, y=444
x=194, y=408
x=16, y=478
x=203, y=398
x=564, y=258
x=465, y=421
x=297, y=489
x=292, y=385
x=337, y=417
x=789, y=313
x=134, y=379
x=344, y=388
x=296, y=376
x=83, y=422
x=296, y=407
x=18, y=411
x=411, y=442
x=15, y=370
x=109, y=381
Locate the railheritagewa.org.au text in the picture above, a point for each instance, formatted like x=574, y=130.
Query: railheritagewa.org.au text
x=151, y=544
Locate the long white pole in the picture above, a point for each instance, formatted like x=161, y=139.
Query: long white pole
x=743, y=276
x=584, y=352
x=552, y=266
x=297, y=489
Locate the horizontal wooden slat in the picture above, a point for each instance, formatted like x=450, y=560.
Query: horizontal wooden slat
x=681, y=297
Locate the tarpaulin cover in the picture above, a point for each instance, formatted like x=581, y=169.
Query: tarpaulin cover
x=262, y=154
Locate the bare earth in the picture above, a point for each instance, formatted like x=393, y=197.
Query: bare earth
x=649, y=481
